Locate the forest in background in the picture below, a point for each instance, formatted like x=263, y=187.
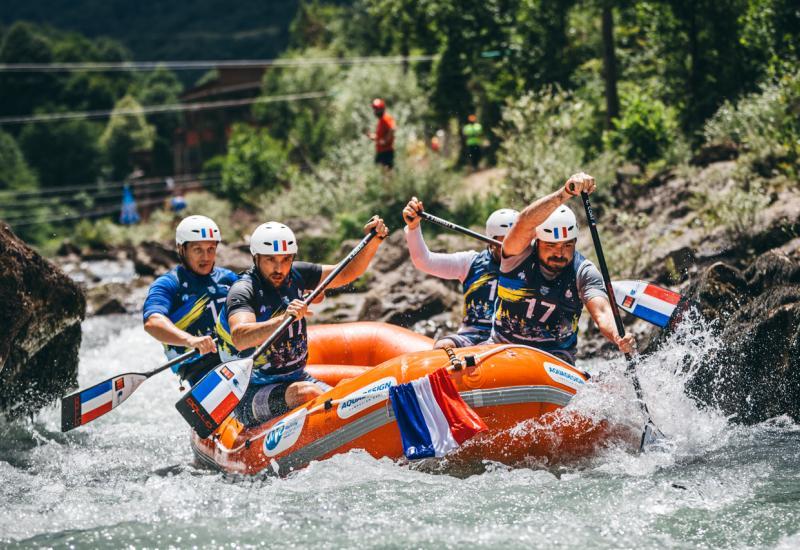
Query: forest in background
x=559, y=86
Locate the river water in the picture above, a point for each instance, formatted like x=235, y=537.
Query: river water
x=127, y=480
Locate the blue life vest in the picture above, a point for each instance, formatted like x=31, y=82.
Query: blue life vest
x=289, y=353
x=480, y=291
x=535, y=311
x=192, y=302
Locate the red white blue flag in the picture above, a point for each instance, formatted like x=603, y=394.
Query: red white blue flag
x=646, y=301
x=432, y=417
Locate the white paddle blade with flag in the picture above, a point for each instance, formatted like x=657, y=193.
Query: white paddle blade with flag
x=215, y=397
x=646, y=301
x=80, y=408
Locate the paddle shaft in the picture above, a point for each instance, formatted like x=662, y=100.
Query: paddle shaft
x=316, y=292
x=601, y=260
x=631, y=369
x=450, y=225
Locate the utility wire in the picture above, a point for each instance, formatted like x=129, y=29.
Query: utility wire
x=211, y=64
x=83, y=215
x=103, y=186
x=151, y=109
x=69, y=197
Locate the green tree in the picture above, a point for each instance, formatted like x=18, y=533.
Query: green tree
x=127, y=132
x=161, y=87
x=15, y=174
x=21, y=93
x=255, y=162
x=63, y=153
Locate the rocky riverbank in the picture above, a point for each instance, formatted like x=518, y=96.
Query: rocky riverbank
x=41, y=310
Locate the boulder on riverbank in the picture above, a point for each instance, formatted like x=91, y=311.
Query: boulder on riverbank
x=756, y=374
x=40, y=311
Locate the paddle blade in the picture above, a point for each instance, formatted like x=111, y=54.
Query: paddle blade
x=215, y=397
x=652, y=437
x=83, y=406
x=646, y=301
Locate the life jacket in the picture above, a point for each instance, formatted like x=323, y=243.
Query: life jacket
x=289, y=352
x=480, y=292
x=196, y=301
x=535, y=311
x=474, y=133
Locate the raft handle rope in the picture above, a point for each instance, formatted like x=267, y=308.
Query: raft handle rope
x=469, y=361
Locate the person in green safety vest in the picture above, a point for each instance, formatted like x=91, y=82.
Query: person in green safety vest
x=473, y=134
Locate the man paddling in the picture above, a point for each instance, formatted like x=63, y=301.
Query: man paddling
x=261, y=300
x=181, y=307
x=477, y=272
x=544, y=282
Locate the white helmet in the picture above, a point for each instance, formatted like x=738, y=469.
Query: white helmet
x=273, y=238
x=559, y=227
x=500, y=222
x=196, y=228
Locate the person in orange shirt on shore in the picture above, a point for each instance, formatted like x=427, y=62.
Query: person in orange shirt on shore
x=384, y=135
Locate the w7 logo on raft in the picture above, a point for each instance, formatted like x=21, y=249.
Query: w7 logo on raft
x=285, y=433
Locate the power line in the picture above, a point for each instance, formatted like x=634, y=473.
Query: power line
x=211, y=64
x=87, y=215
x=103, y=186
x=99, y=193
x=151, y=109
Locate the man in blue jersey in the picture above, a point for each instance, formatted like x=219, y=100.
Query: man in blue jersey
x=544, y=282
x=261, y=300
x=477, y=272
x=182, y=305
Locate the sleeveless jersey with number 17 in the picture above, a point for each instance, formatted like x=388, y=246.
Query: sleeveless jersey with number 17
x=534, y=310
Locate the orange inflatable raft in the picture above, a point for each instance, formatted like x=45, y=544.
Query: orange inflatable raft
x=518, y=392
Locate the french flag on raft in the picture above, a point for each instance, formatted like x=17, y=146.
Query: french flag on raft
x=432, y=417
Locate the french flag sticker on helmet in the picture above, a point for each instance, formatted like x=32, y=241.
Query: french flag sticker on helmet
x=560, y=232
x=279, y=246
x=207, y=233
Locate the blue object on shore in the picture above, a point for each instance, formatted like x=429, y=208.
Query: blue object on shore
x=128, y=215
x=177, y=203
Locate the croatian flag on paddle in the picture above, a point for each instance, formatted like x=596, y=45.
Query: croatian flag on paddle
x=432, y=417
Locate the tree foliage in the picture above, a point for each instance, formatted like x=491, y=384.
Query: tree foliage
x=127, y=132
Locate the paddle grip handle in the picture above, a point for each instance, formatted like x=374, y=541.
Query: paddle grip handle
x=316, y=292
x=455, y=227
x=175, y=360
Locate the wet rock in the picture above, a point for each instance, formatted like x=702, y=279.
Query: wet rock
x=68, y=248
x=110, y=298
x=673, y=267
x=40, y=311
x=406, y=296
x=756, y=375
x=715, y=153
x=111, y=307
x=235, y=257
x=153, y=258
